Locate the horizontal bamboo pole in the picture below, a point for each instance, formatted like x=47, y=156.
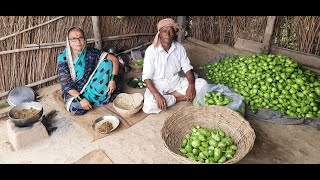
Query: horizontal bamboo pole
x=29, y=49
x=60, y=44
x=39, y=25
x=63, y=43
x=34, y=84
x=55, y=77
x=205, y=44
x=129, y=35
x=138, y=47
x=110, y=38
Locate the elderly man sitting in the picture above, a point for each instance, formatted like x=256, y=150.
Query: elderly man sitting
x=162, y=62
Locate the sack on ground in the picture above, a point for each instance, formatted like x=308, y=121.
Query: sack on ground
x=237, y=103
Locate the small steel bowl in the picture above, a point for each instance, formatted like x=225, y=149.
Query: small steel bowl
x=28, y=121
x=112, y=119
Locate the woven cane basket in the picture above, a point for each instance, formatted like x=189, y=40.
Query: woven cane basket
x=135, y=68
x=232, y=123
x=128, y=104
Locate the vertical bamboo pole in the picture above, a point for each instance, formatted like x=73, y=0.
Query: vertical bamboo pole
x=96, y=31
x=268, y=33
x=182, y=21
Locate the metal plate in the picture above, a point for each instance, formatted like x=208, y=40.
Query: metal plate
x=112, y=119
x=20, y=95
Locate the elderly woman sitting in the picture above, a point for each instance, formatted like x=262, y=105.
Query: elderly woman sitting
x=88, y=76
x=162, y=62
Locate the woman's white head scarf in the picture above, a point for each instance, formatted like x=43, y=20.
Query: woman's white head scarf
x=68, y=52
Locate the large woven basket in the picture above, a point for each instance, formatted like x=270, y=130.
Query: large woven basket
x=232, y=123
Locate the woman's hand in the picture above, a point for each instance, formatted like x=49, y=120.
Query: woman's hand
x=161, y=102
x=190, y=93
x=111, y=86
x=85, y=104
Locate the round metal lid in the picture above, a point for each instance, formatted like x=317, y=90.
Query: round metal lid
x=111, y=49
x=20, y=95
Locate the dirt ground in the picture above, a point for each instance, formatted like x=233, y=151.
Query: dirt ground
x=142, y=143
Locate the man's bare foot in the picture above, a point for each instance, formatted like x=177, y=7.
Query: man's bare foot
x=179, y=97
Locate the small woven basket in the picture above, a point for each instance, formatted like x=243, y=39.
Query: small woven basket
x=232, y=123
x=128, y=104
x=135, y=68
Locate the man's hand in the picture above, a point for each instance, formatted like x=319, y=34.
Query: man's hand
x=85, y=104
x=111, y=87
x=191, y=92
x=161, y=101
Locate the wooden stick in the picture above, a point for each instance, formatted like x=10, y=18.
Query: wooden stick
x=34, y=84
x=44, y=44
x=129, y=35
x=205, y=44
x=182, y=20
x=52, y=44
x=96, y=32
x=14, y=34
x=129, y=50
x=64, y=43
x=60, y=44
x=28, y=49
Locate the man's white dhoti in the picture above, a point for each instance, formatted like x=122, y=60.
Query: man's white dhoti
x=150, y=103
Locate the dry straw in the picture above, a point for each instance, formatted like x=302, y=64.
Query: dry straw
x=232, y=123
x=301, y=33
x=225, y=29
x=32, y=66
x=111, y=26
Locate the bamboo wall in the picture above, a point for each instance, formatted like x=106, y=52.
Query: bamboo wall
x=24, y=68
x=27, y=67
x=301, y=33
x=111, y=25
x=224, y=29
